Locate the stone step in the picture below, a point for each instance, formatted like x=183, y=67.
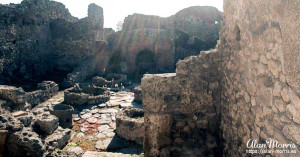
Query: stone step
x=107, y=154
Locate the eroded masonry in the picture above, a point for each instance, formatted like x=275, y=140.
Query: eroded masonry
x=247, y=88
x=218, y=100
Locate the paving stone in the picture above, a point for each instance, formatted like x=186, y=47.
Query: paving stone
x=81, y=121
x=83, y=129
x=126, y=105
x=89, y=138
x=110, y=143
x=110, y=134
x=105, y=115
x=92, y=120
x=80, y=135
x=100, y=135
x=110, y=110
x=77, y=119
x=106, y=154
x=103, y=144
x=102, y=105
x=94, y=111
x=110, y=130
x=104, y=121
x=75, y=150
x=130, y=151
x=97, y=115
x=103, y=128
x=86, y=116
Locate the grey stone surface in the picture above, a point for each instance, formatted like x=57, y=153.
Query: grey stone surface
x=60, y=137
x=64, y=113
x=130, y=125
x=25, y=52
x=100, y=81
x=46, y=123
x=138, y=97
x=26, y=143
x=106, y=154
x=86, y=94
x=76, y=150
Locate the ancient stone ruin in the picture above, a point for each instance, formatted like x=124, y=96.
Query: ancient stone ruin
x=17, y=99
x=181, y=118
x=70, y=87
x=155, y=44
x=85, y=94
x=130, y=125
x=244, y=89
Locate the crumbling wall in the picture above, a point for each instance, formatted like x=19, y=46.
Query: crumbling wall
x=21, y=100
x=196, y=29
x=126, y=45
x=75, y=42
x=173, y=38
x=258, y=76
x=203, y=22
x=259, y=45
x=140, y=21
x=182, y=110
x=25, y=39
x=41, y=40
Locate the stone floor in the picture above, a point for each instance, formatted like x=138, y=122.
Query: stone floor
x=93, y=132
x=94, y=128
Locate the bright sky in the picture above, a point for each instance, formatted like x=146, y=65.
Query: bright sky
x=117, y=10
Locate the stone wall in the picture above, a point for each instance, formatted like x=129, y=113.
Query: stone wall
x=126, y=46
x=41, y=40
x=21, y=100
x=201, y=21
x=25, y=40
x=259, y=45
x=182, y=110
x=257, y=82
x=139, y=21
x=196, y=29
x=170, y=39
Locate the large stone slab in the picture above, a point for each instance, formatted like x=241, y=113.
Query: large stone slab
x=106, y=154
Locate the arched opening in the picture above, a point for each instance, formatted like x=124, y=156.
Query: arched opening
x=114, y=63
x=145, y=63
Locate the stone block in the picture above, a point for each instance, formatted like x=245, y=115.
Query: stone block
x=59, y=138
x=157, y=89
x=100, y=81
x=13, y=94
x=157, y=132
x=25, y=142
x=64, y=113
x=46, y=123
x=130, y=125
x=138, y=97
